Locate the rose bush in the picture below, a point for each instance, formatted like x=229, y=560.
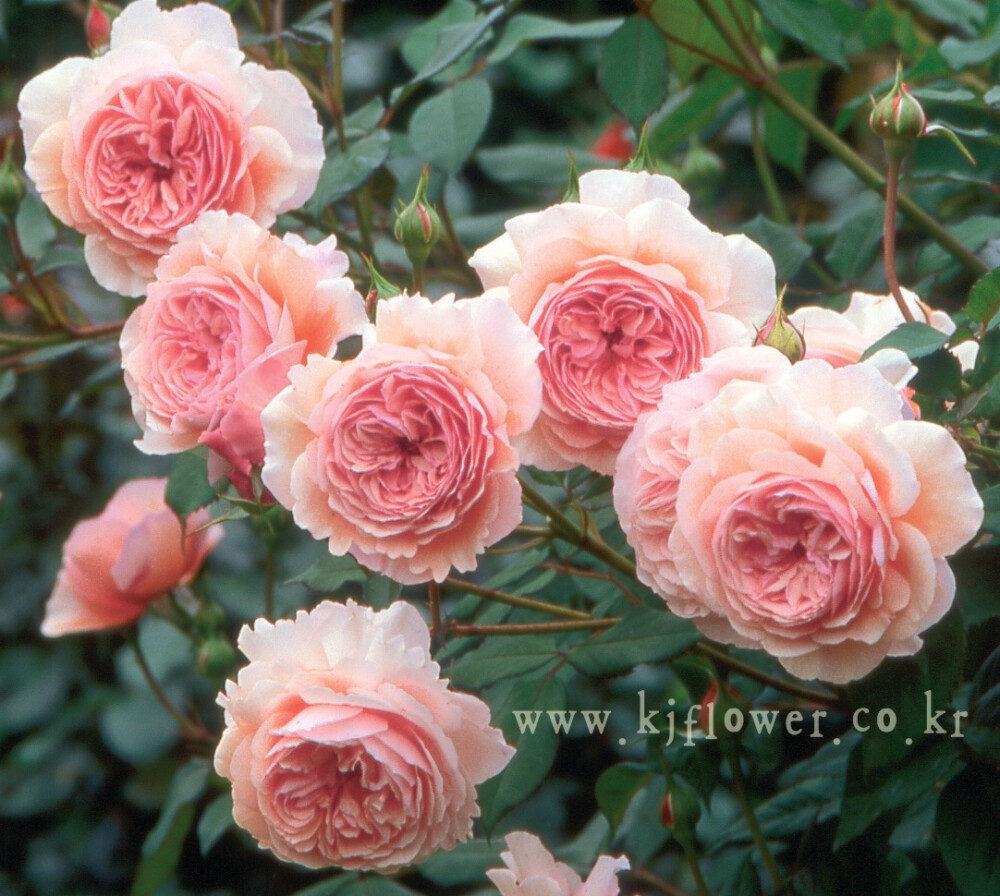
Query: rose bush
x=797, y=508
x=626, y=291
x=533, y=871
x=171, y=121
x=345, y=747
x=116, y=563
x=232, y=309
x=402, y=455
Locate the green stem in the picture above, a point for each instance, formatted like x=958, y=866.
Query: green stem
x=792, y=688
x=515, y=600
x=760, y=841
x=533, y=628
x=889, y=238
x=699, y=879
x=763, y=80
x=569, y=531
x=190, y=727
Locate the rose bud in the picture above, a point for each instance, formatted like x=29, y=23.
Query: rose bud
x=898, y=118
x=418, y=226
x=778, y=332
x=97, y=25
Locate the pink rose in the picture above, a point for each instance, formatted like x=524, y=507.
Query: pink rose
x=232, y=309
x=345, y=747
x=843, y=338
x=402, y=456
x=805, y=514
x=115, y=564
x=532, y=871
x=626, y=292
x=132, y=145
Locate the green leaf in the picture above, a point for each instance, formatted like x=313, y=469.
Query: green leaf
x=967, y=15
x=374, y=885
x=188, y=487
x=745, y=882
x=684, y=20
x=421, y=42
x=857, y=239
x=967, y=831
x=445, y=129
x=938, y=375
x=215, y=821
x=343, y=172
x=380, y=591
x=162, y=848
x=617, y=786
x=915, y=338
x=984, y=298
x=633, y=70
x=467, y=863
x=644, y=635
x=973, y=232
x=687, y=116
x=137, y=729
x=784, y=245
x=34, y=226
x=987, y=360
x=8, y=382
x=532, y=163
x=785, y=140
x=526, y=28
x=535, y=750
x=809, y=24
x=330, y=573
x=962, y=54
x=501, y=658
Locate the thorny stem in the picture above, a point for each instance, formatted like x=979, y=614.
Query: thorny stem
x=889, y=238
x=515, y=600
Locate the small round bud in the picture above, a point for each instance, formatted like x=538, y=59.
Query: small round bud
x=898, y=118
x=679, y=813
x=215, y=658
x=418, y=226
x=779, y=333
x=97, y=25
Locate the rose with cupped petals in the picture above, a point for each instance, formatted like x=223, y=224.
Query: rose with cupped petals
x=626, y=292
x=131, y=146
x=533, y=871
x=808, y=514
x=232, y=309
x=345, y=747
x=115, y=564
x=402, y=456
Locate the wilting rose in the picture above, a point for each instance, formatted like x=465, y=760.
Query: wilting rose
x=115, y=564
x=842, y=338
x=171, y=121
x=345, y=747
x=402, y=456
x=533, y=871
x=626, y=292
x=804, y=513
x=232, y=309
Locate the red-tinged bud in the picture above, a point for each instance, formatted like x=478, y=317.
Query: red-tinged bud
x=779, y=333
x=667, y=812
x=97, y=24
x=418, y=226
x=13, y=309
x=707, y=702
x=898, y=118
x=679, y=813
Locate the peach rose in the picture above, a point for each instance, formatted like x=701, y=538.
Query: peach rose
x=132, y=145
x=532, y=871
x=842, y=338
x=810, y=516
x=232, y=309
x=345, y=747
x=402, y=456
x=626, y=292
x=115, y=564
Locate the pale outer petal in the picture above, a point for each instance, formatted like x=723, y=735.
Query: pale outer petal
x=46, y=98
x=496, y=262
x=623, y=191
x=176, y=29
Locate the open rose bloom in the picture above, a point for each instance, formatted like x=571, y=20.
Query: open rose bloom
x=797, y=508
x=115, y=564
x=533, y=871
x=402, y=456
x=345, y=747
x=232, y=309
x=171, y=121
x=626, y=291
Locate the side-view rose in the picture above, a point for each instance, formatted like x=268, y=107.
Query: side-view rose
x=345, y=747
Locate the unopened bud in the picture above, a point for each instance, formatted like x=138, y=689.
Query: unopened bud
x=418, y=226
x=215, y=658
x=778, y=332
x=898, y=118
x=11, y=184
x=679, y=813
x=97, y=24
